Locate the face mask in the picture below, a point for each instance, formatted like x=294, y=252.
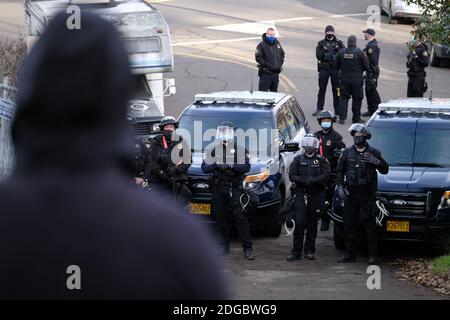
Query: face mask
x=271, y=39
x=325, y=125
x=310, y=151
x=359, y=140
x=167, y=134
x=330, y=36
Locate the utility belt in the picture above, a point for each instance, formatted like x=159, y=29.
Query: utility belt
x=416, y=73
x=267, y=71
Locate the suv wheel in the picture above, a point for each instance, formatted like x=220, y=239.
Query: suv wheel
x=338, y=235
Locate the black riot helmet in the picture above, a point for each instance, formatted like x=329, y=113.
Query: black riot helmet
x=326, y=114
x=310, y=143
x=359, y=127
x=168, y=120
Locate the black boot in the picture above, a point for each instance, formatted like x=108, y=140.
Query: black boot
x=248, y=254
x=373, y=260
x=310, y=256
x=293, y=257
x=346, y=259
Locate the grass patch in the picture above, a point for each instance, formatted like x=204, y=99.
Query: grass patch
x=441, y=264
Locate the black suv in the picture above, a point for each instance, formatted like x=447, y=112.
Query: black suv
x=268, y=180
x=413, y=135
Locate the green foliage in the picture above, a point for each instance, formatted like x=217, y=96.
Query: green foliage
x=434, y=23
x=441, y=264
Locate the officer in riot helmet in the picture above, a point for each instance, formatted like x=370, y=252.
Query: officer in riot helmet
x=228, y=162
x=418, y=59
x=310, y=172
x=356, y=184
x=140, y=154
x=330, y=146
x=326, y=51
x=170, y=160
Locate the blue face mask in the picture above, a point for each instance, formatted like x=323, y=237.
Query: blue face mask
x=325, y=125
x=271, y=39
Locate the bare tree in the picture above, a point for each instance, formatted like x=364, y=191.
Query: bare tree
x=12, y=54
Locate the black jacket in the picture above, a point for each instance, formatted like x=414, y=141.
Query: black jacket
x=326, y=51
x=330, y=145
x=418, y=59
x=161, y=158
x=309, y=173
x=270, y=57
x=141, y=159
x=351, y=62
x=355, y=173
x=372, y=51
x=69, y=202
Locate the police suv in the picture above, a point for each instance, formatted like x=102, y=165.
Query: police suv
x=267, y=183
x=413, y=135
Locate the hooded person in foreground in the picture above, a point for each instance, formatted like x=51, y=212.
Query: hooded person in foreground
x=71, y=227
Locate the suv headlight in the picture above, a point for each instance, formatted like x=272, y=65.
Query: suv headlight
x=445, y=200
x=155, y=127
x=254, y=180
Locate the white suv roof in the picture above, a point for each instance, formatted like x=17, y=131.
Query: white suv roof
x=242, y=96
x=416, y=105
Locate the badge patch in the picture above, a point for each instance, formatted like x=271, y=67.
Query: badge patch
x=425, y=54
x=370, y=51
x=348, y=55
x=328, y=143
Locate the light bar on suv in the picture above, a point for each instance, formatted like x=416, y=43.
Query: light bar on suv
x=416, y=105
x=212, y=98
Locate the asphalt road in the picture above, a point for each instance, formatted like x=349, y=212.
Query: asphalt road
x=214, y=45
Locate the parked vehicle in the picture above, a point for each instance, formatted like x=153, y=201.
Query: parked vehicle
x=413, y=135
x=268, y=181
x=399, y=9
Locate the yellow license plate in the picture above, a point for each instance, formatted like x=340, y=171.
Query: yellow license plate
x=397, y=226
x=200, y=208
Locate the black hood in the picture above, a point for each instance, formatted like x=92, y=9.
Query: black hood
x=71, y=104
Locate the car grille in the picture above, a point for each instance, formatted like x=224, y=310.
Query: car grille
x=144, y=128
x=409, y=204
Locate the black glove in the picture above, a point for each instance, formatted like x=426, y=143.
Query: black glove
x=368, y=158
x=223, y=166
x=163, y=177
x=341, y=192
x=171, y=171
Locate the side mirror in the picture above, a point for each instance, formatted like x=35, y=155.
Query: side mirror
x=170, y=86
x=290, y=147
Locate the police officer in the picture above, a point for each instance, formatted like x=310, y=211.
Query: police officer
x=326, y=51
x=141, y=155
x=418, y=60
x=270, y=58
x=330, y=146
x=357, y=184
x=372, y=51
x=310, y=172
x=351, y=62
x=170, y=160
x=227, y=162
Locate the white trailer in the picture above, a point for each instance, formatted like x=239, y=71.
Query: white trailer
x=146, y=36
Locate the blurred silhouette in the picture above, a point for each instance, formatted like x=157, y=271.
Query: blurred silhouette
x=69, y=201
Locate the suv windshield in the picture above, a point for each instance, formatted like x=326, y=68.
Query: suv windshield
x=407, y=146
x=239, y=120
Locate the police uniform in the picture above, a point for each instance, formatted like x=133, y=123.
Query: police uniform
x=166, y=176
x=326, y=51
x=361, y=181
x=418, y=60
x=351, y=62
x=227, y=175
x=310, y=176
x=372, y=51
x=331, y=143
x=270, y=59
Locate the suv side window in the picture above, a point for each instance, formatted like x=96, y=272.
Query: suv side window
x=282, y=126
x=291, y=120
x=298, y=112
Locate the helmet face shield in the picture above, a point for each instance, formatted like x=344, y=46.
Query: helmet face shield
x=310, y=143
x=361, y=128
x=224, y=133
